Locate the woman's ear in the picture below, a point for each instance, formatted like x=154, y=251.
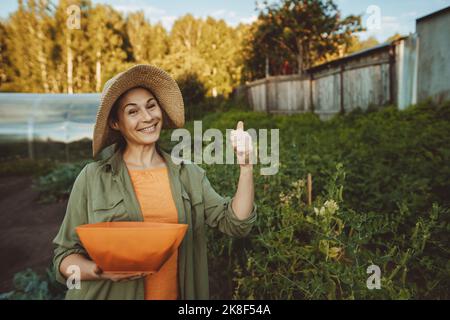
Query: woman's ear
x=113, y=124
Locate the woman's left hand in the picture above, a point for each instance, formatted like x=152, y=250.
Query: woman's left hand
x=242, y=203
x=242, y=144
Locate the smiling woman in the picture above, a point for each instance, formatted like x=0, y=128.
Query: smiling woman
x=140, y=182
x=138, y=117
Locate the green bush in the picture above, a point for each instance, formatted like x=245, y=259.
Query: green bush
x=192, y=89
x=28, y=285
x=57, y=184
x=322, y=251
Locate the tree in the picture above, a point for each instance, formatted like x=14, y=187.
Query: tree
x=219, y=47
x=106, y=39
x=207, y=49
x=46, y=55
x=4, y=61
x=358, y=45
x=192, y=89
x=43, y=53
x=394, y=37
x=304, y=31
x=71, y=48
x=20, y=72
x=148, y=42
x=262, y=54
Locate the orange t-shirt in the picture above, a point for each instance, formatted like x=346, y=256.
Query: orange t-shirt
x=154, y=195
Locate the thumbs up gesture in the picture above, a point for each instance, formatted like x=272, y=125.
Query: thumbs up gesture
x=242, y=143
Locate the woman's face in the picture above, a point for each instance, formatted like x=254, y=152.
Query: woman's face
x=139, y=117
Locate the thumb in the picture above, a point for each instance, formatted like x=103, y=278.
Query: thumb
x=240, y=125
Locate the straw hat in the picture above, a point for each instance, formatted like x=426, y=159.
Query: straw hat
x=159, y=82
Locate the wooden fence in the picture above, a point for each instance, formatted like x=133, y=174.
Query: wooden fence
x=366, y=78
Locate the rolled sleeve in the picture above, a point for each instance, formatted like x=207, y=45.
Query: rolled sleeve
x=59, y=255
x=219, y=213
x=250, y=220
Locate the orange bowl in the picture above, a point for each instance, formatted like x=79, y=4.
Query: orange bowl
x=129, y=247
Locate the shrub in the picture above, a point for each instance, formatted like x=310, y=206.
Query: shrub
x=57, y=184
x=28, y=285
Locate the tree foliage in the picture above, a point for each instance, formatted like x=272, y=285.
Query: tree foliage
x=40, y=53
x=301, y=33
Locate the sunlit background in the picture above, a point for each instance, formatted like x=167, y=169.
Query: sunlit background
x=359, y=90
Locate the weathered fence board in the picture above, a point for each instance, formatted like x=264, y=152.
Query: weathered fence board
x=327, y=94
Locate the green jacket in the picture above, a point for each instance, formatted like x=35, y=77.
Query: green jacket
x=103, y=192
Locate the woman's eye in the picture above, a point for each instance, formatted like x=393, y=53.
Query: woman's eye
x=132, y=112
x=151, y=107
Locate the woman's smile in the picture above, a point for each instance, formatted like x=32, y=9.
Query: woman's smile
x=148, y=130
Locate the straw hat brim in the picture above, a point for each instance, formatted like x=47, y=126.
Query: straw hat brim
x=159, y=82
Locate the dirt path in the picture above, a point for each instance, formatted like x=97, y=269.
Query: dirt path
x=26, y=229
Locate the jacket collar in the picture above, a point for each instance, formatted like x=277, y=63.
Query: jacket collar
x=115, y=161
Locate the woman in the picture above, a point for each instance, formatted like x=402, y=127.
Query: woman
x=133, y=179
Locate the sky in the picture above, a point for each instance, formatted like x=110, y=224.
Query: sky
x=383, y=17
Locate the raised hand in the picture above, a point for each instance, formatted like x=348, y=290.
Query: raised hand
x=242, y=143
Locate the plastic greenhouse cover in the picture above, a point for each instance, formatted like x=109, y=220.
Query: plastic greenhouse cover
x=56, y=117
